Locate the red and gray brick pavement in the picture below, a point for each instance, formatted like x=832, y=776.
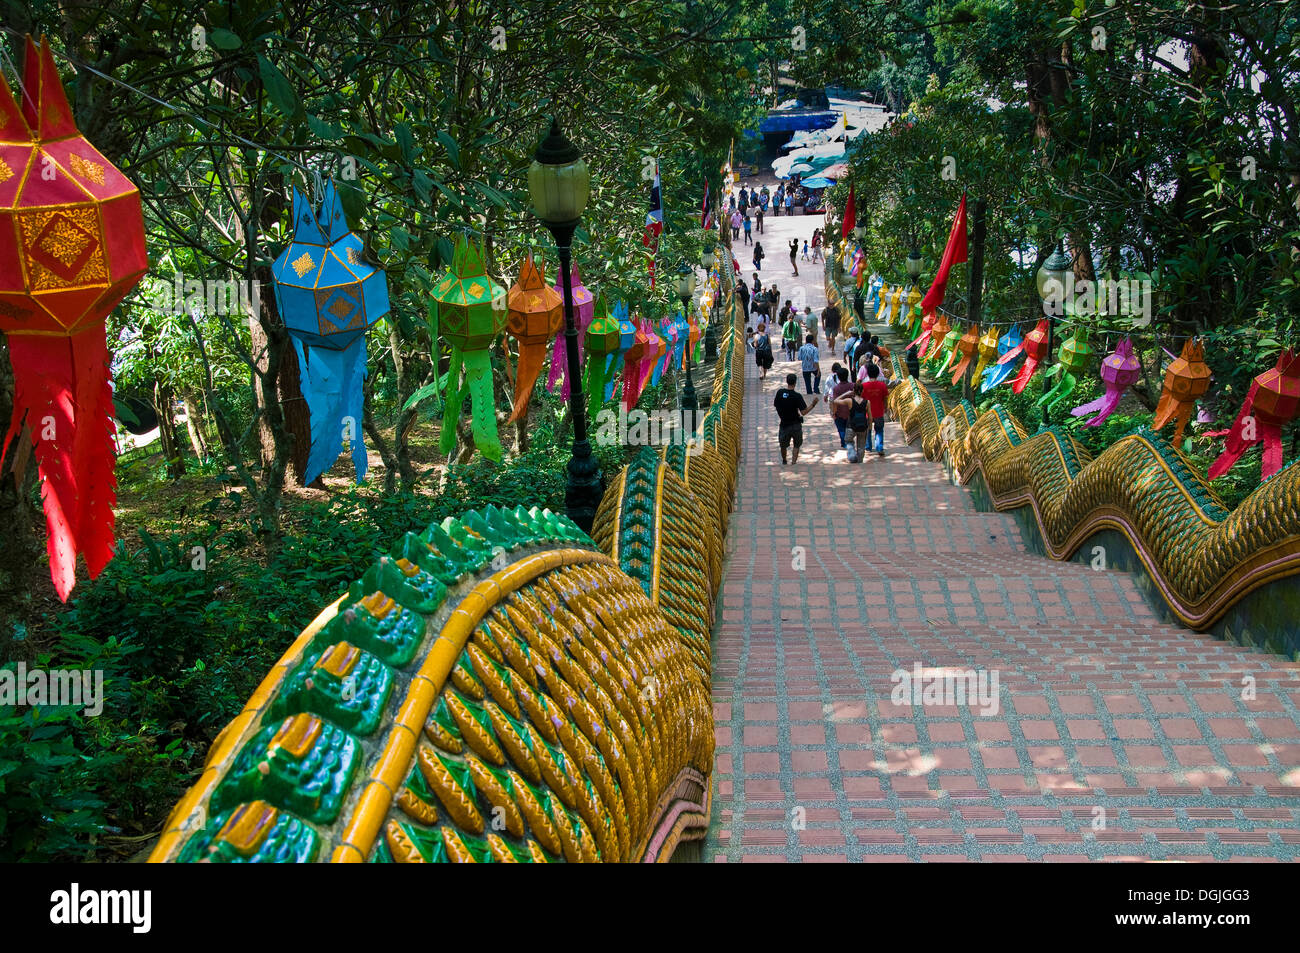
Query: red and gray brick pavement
x=1116, y=736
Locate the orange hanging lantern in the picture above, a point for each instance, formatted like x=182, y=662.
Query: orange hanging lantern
x=535, y=314
x=74, y=249
x=937, y=335
x=966, y=347
x=1186, y=381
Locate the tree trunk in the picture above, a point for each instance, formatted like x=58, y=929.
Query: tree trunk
x=377, y=440
x=194, y=423
x=164, y=406
x=297, y=416
x=17, y=516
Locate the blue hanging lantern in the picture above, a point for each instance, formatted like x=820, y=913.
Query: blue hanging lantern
x=1009, y=345
x=328, y=295
x=626, y=340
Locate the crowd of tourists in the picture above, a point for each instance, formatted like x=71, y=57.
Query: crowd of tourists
x=855, y=392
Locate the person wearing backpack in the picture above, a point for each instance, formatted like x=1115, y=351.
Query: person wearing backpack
x=858, y=410
x=790, y=335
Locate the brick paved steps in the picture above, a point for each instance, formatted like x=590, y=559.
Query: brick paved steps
x=1101, y=707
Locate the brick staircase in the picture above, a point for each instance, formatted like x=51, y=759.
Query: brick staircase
x=1115, y=736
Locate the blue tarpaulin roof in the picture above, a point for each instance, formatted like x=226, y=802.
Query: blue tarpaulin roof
x=792, y=120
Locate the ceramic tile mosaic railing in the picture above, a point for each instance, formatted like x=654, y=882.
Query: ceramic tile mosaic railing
x=499, y=688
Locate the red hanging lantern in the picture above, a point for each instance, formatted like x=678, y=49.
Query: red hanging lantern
x=75, y=249
x=1272, y=403
x=1035, y=350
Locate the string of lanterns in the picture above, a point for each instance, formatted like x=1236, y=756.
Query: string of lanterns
x=941, y=338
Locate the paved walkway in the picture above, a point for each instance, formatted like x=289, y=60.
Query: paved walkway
x=1115, y=737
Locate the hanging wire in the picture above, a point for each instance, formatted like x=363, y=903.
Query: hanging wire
x=13, y=67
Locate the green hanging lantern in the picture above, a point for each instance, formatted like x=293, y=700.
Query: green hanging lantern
x=602, y=342
x=472, y=311
x=947, y=348
x=1073, y=358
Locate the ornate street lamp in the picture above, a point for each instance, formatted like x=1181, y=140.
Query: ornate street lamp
x=685, y=291
x=710, y=341
x=559, y=184
x=1051, y=289
x=914, y=266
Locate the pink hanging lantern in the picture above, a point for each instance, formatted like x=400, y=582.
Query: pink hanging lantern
x=1119, y=371
x=584, y=309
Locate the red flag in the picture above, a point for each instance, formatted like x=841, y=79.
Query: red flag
x=654, y=224
x=954, y=253
x=850, y=215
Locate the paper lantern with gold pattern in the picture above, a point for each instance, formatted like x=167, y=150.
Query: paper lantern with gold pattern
x=1272, y=402
x=966, y=348
x=1035, y=351
x=1119, y=370
x=535, y=314
x=938, y=335
x=1009, y=347
x=987, y=351
x=1073, y=358
x=1186, y=381
x=626, y=341
x=943, y=354
x=922, y=340
x=633, y=359
x=602, y=344
x=328, y=294
x=74, y=247
x=472, y=311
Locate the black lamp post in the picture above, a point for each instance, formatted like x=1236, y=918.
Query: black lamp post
x=685, y=291
x=559, y=184
x=1051, y=288
x=710, y=341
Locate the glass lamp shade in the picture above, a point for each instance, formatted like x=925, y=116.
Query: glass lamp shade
x=559, y=182
x=685, y=282
x=914, y=264
x=708, y=260
x=1054, y=271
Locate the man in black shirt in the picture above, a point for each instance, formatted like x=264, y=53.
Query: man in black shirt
x=831, y=325
x=791, y=408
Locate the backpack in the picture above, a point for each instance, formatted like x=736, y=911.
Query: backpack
x=858, y=416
